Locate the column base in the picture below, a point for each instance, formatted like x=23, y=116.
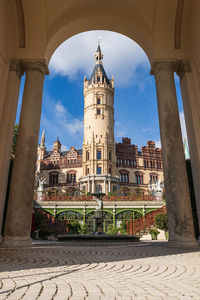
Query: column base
x=13, y=242
x=183, y=244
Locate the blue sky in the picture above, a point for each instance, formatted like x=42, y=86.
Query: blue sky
x=136, y=113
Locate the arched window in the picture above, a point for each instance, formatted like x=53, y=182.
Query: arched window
x=124, y=177
x=53, y=178
x=120, y=177
x=99, y=188
x=68, y=180
x=71, y=177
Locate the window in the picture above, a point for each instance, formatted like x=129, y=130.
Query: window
x=110, y=155
x=68, y=180
x=98, y=154
x=98, y=170
x=99, y=188
x=139, y=179
x=124, y=177
x=71, y=178
x=110, y=171
x=98, y=101
x=98, y=111
x=98, y=78
x=88, y=171
x=87, y=155
x=53, y=178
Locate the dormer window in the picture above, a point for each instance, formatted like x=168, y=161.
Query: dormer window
x=98, y=78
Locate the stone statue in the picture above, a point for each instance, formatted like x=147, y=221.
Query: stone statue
x=99, y=201
x=98, y=215
x=40, y=188
x=41, y=184
x=156, y=189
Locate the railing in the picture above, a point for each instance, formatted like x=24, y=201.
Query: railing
x=54, y=198
x=134, y=226
x=51, y=223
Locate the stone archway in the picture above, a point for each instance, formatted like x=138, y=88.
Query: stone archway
x=150, y=26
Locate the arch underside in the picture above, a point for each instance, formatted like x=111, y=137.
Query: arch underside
x=156, y=26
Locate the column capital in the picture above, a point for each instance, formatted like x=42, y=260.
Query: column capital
x=163, y=65
x=182, y=67
x=15, y=65
x=38, y=65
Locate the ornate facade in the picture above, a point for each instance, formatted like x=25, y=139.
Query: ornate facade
x=102, y=165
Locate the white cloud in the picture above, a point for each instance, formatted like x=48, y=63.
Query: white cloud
x=122, y=56
x=183, y=126
x=158, y=144
x=57, y=121
x=60, y=108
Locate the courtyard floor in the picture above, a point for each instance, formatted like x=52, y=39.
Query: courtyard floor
x=99, y=270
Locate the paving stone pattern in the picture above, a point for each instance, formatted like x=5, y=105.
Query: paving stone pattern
x=99, y=270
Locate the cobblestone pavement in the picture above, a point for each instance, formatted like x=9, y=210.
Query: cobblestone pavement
x=95, y=271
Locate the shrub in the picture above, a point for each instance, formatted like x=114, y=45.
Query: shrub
x=74, y=227
x=162, y=222
x=123, y=227
x=154, y=231
x=84, y=229
x=112, y=229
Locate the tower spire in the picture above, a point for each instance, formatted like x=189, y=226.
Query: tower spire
x=98, y=55
x=42, y=142
x=99, y=74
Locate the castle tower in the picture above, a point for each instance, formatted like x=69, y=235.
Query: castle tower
x=99, y=158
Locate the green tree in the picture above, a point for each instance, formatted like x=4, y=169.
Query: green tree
x=15, y=134
x=162, y=222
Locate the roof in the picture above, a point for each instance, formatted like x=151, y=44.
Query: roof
x=95, y=70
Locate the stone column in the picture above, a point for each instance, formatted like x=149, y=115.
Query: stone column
x=181, y=229
x=93, y=188
x=109, y=185
x=20, y=204
x=7, y=127
x=89, y=184
x=104, y=186
x=190, y=90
